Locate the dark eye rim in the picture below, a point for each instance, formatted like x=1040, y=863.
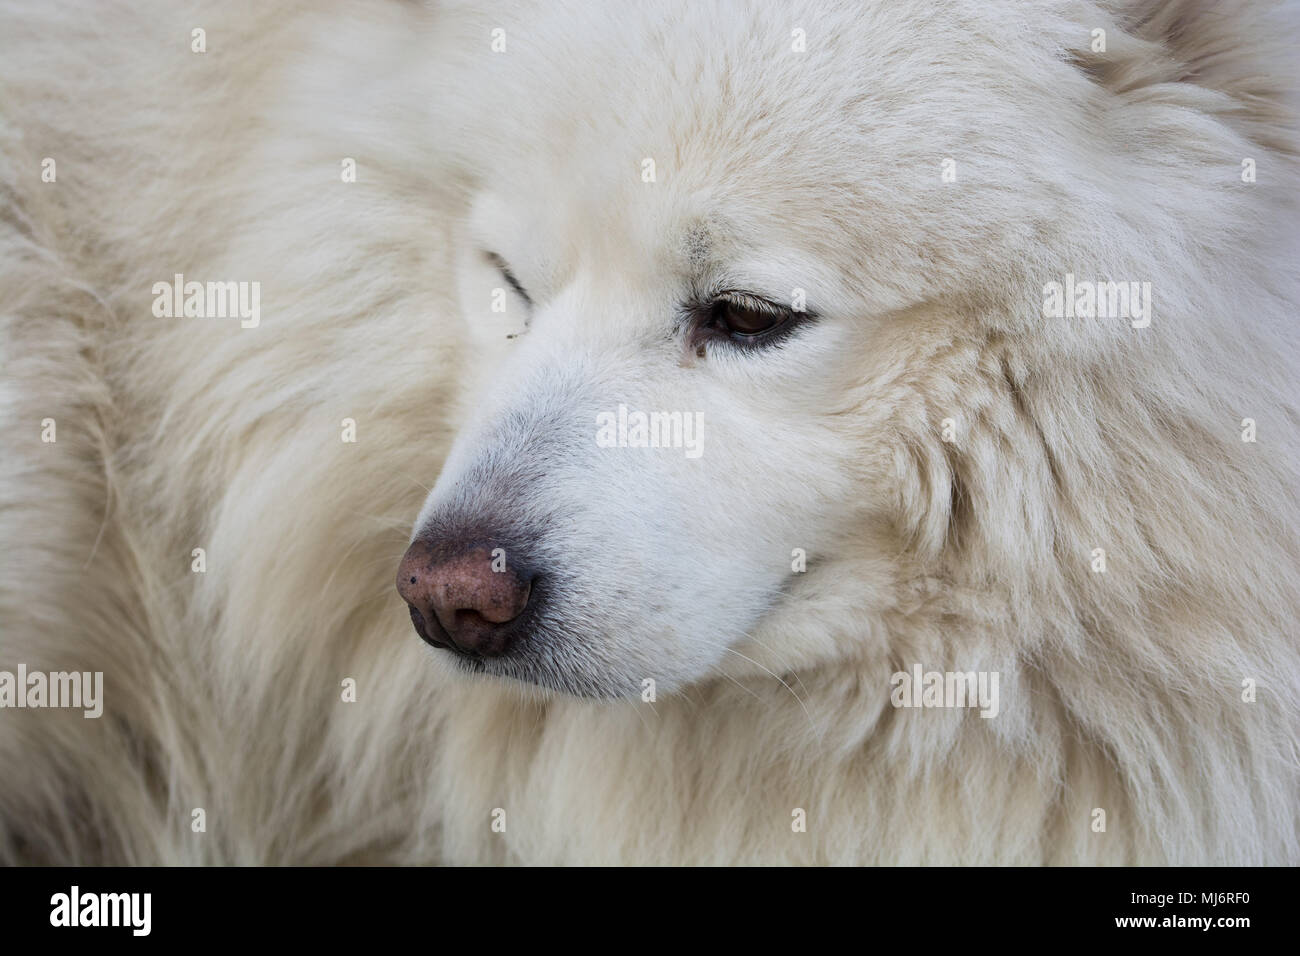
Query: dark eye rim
x=506, y=273
x=706, y=320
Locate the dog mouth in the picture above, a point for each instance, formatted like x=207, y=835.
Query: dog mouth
x=548, y=673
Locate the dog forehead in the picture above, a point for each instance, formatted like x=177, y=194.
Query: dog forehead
x=717, y=110
x=832, y=143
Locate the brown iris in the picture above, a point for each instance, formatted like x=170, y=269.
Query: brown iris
x=746, y=316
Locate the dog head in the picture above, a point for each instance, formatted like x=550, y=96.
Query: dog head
x=729, y=279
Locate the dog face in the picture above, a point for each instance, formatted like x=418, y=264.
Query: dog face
x=702, y=236
x=636, y=562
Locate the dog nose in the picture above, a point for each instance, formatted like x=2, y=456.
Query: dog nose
x=464, y=599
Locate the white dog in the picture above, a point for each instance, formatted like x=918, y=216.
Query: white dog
x=861, y=433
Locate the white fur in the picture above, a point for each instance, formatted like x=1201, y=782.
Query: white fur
x=819, y=170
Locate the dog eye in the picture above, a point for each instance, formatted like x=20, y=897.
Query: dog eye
x=746, y=319
x=504, y=268
x=742, y=319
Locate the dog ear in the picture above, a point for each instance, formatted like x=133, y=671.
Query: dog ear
x=1238, y=49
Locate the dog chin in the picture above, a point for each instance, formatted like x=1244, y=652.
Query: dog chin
x=541, y=678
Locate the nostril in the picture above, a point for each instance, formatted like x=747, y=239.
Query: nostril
x=472, y=618
x=496, y=600
x=422, y=627
x=469, y=618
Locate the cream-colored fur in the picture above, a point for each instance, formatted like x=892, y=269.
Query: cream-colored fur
x=1121, y=690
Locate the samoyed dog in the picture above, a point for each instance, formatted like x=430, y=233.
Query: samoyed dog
x=843, y=433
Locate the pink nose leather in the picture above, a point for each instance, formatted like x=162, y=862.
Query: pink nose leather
x=459, y=600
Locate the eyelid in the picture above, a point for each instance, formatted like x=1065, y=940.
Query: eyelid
x=759, y=302
x=504, y=268
x=753, y=302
